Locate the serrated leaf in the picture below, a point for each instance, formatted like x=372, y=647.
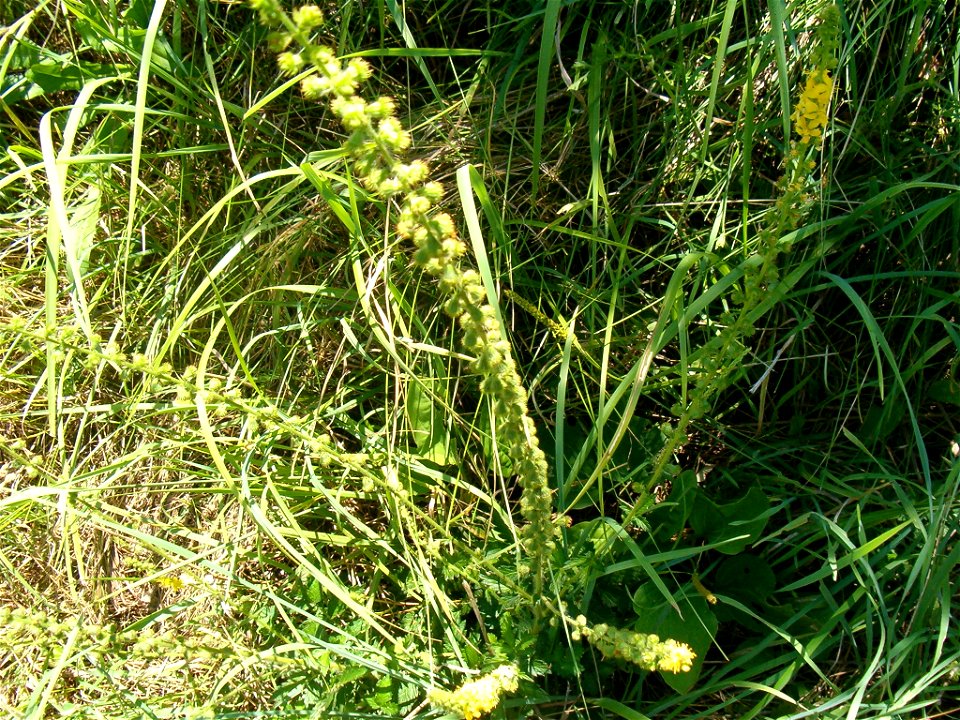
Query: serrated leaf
x=314, y=592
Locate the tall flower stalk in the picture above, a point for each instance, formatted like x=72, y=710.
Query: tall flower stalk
x=376, y=145
x=723, y=354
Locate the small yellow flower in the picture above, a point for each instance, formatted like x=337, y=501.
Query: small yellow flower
x=675, y=657
x=314, y=87
x=352, y=112
x=278, y=41
x=381, y=107
x=290, y=63
x=393, y=134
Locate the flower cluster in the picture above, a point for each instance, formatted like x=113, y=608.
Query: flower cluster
x=646, y=651
x=375, y=145
x=477, y=697
x=810, y=114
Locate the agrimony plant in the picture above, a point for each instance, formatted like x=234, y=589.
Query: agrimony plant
x=375, y=146
x=723, y=354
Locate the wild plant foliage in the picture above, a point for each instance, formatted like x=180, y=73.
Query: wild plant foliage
x=649, y=413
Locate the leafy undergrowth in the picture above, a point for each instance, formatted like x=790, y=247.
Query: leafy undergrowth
x=247, y=466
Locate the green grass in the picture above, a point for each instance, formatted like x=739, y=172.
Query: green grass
x=245, y=470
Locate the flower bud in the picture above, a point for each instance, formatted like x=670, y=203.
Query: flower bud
x=307, y=17
x=315, y=87
x=290, y=63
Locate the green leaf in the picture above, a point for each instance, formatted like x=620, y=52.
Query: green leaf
x=83, y=221
x=574, y=438
x=383, y=698
x=745, y=577
x=620, y=709
x=492, y=451
x=647, y=599
x=43, y=78
x=26, y=53
x=743, y=519
x=672, y=514
x=314, y=592
x=945, y=390
x=697, y=628
x=883, y=420
x=430, y=435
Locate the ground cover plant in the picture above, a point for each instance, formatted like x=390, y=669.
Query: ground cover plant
x=551, y=359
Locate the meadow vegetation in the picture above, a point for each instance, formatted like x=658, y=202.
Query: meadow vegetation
x=555, y=359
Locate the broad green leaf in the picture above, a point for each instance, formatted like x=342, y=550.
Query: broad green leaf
x=26, y=53
x=945, y=391
x=697, y=628
x=672, y=515
x=430, y=435
x=48, y=77
x=739, y=522
x=882, y=420
x=745, y=577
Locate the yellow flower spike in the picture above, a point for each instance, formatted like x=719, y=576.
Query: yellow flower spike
x=375, y=147
x=810, y=115
x=647, y=651
x=478, y=697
